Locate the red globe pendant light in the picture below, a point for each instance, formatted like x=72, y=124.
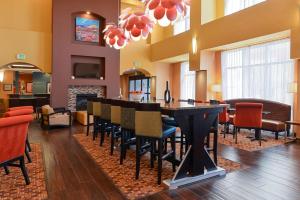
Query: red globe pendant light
x=137, y=25
x=166, y=12
x=115, y=37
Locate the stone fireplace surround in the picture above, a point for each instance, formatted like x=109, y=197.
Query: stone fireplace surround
x=74, y=90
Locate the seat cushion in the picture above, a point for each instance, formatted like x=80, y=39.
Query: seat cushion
x=59, y=120
x=81, y=117
x=46, y=110
x=273, y=125
x=170, y=121
x=168, y=130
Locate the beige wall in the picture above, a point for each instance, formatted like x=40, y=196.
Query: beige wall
x=25, y=27
x=163, y=74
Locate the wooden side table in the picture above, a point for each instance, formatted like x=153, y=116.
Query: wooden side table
x=288, y=125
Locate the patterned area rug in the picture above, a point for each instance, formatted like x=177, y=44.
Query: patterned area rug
x=246, y=144
x=123, y=176
x=13, y=186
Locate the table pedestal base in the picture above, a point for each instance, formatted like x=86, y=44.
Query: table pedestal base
x=174, y=184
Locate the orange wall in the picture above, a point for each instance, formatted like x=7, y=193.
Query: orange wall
x=175, y=92
x=26, y=27
x=260, y=20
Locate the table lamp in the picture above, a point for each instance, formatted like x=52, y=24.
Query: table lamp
x=216, y=88
x=1, y=76
x=292, y=87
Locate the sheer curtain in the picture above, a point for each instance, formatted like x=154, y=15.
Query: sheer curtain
x=262, y=71
x=187, y=82
x=182, y=25
x=232, y=6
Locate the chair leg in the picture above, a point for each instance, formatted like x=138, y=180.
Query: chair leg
x=96, y=126
x=173, y=146
x=24, y=171
x=152, y=155
x=225, y=130
x=6, y=170
x=159, y=170
x=127, y=135
x=88, y=125
x=276, y=135
x=28, y=144
x=137, y=163
x=112, y=141
x=236, y=135
x=122, y=149
x=28, y=156
x=181, y=145
x=259, y=137
x=102, y=135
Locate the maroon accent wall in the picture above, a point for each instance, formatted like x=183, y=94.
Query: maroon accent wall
x=64, y=47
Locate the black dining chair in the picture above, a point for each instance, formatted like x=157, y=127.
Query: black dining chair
x=115, y=122
x=127, y=127
x=148, y=135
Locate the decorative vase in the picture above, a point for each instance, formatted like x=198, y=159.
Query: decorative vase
x=167, y=96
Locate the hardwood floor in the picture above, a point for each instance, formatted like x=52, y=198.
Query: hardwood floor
x=71, y=174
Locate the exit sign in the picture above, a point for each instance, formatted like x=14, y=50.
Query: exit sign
x=21, y=56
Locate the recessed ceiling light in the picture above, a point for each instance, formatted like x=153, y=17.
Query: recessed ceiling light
x=88, y=12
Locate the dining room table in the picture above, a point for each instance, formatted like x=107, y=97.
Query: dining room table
x=196, y=121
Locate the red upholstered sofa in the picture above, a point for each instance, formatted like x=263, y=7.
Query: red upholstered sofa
x=275, y=121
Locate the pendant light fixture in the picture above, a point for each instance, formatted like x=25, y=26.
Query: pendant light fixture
x=166, y=12
x=115, y=37
x=137, y=25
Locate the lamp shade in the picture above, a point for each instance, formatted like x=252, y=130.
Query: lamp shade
x=115, y=36
x=292, y=87
x=136, y=25
x=216, y=88
x=166, y=12
x=1, y=76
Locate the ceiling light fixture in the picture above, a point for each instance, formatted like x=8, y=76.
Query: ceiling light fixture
x=88, y=12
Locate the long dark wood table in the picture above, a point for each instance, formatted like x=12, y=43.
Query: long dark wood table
x=196, y=121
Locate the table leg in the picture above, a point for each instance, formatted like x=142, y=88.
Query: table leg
x=197, y=163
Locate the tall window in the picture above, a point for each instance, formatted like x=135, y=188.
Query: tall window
x=182, y=25
x=187, y=82
x=262, y=71
x=232, y=6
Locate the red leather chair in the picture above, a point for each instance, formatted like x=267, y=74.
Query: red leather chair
x=20, y=108
x=248, y=116
x=13, y=132
x=224, y=119
x=18, y=112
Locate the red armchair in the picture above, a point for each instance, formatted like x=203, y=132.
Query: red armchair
x=13, y=132
x=18, y=112
x=248, y=116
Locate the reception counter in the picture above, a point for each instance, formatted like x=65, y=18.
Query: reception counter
x=36, y=101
